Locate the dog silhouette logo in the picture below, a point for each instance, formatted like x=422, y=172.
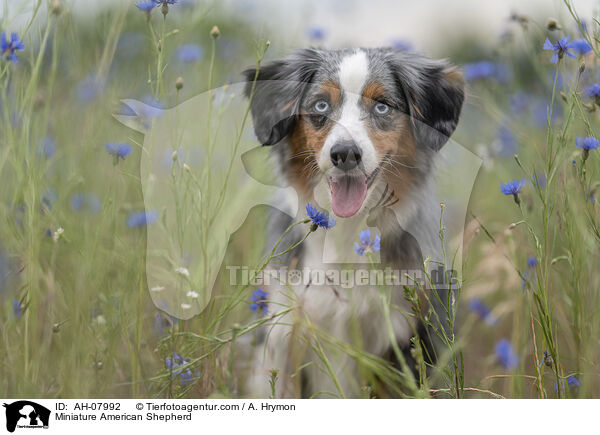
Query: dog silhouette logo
x=183, y=260
x=26, y=414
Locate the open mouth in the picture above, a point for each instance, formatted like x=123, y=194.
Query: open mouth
x=348, y=192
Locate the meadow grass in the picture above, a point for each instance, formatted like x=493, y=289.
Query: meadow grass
x=76, y=312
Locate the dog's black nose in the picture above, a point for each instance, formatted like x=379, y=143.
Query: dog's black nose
x=345, y=155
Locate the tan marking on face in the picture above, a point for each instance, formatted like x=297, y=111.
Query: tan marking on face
x=398, y=142
x=372, y=93
x=332, y=90
x=329, y=89
x=306, y=143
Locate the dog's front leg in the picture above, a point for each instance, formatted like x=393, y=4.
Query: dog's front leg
x=275, y=360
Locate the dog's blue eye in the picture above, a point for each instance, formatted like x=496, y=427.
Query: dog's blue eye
x=321, y=106
x=382, y=109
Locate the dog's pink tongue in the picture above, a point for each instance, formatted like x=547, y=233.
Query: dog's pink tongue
x=348, y=194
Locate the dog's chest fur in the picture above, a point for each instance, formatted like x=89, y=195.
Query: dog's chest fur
x=347, y=311
x=344, y=309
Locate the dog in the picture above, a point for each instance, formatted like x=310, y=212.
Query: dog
x=357, y=132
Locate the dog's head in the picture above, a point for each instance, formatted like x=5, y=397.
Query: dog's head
x=360, y=117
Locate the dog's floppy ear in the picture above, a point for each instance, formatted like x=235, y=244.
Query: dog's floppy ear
x=434, y=93
x=278, y=92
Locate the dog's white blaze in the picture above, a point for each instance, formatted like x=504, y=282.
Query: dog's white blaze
x=353, y=74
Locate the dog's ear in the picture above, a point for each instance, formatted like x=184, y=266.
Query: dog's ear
x=277, y=94
x=434, y=94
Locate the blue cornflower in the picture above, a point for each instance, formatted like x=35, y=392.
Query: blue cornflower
x=316, y=33
x=78, y=201
x=593, y=92
x=187, y=377
x=190, y=53
x=121, y=150
x=366, y=244
x=572, y=382
x=138, y=219
x=482, y=310
x=519, y=101
x=86, y=202
x=319, y=219
x=401, y=44
x=580, y=46
x=174, y=362
x=485, y=70
x=47, y=147
x=17, y=308
x=513, y=187
x=146, y=6
x=532, y=262
x=560, y=49
x=49, y=197
x=175, y=366
x=89, y=88
x=8, y=48
x=258, y=300
x=586, y=143
x=162, y=323
x=507, y=142
x=478, y=70
x=506, y=354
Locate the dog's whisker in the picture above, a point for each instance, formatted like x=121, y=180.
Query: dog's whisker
x=295, y=156
x=302, y=153
x=398, y=162
x=392, y=171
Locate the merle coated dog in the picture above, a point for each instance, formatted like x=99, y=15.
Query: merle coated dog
x=356, y=131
